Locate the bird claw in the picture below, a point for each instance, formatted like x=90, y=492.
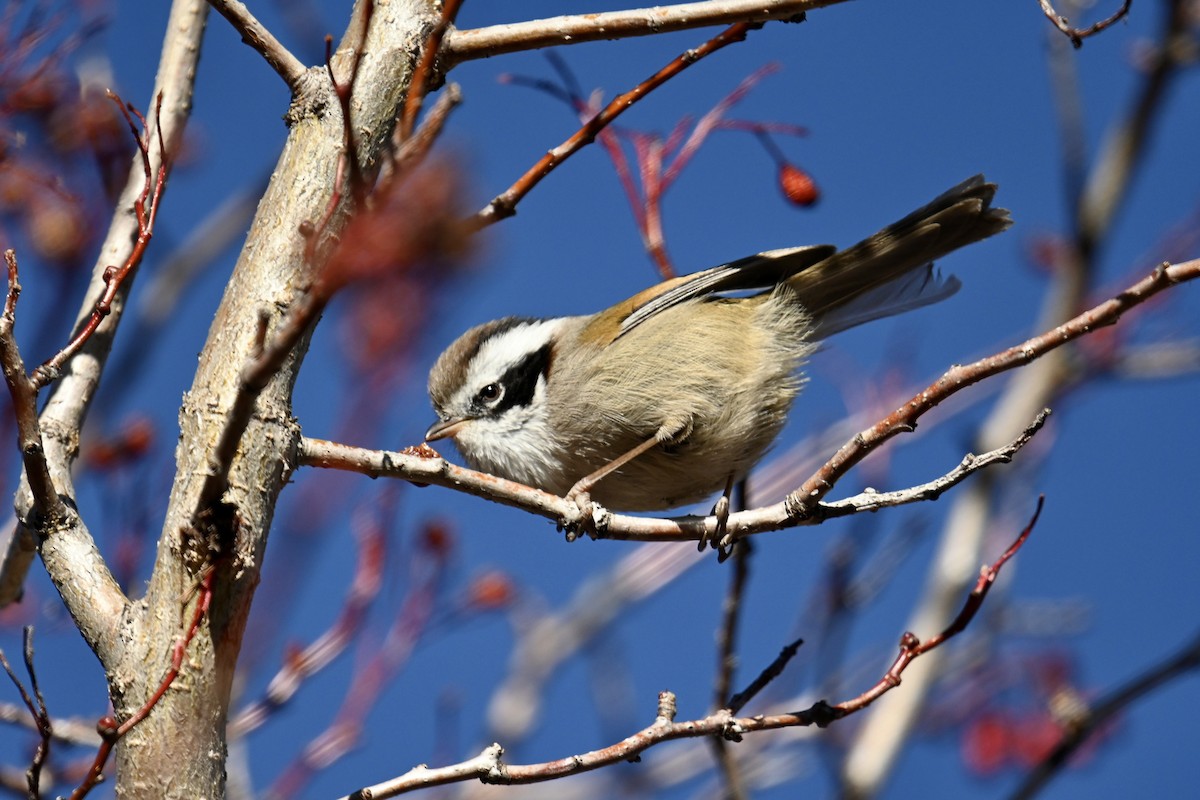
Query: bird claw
x=583, y=516
x=719, y=539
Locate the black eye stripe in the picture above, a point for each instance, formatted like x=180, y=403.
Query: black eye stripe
x=520, y=380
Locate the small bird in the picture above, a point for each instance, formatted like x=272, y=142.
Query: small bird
x=673, y=395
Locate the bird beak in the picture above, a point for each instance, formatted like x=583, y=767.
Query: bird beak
x=443, y=429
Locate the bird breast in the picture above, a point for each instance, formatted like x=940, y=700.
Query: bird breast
x=712, y=378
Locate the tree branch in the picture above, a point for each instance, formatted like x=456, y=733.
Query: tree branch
x=1093, y=200
x=488, y=766
x=1077, y=35
x=256, y=35
x=957, y=378
x=803, y=506
x=519, y=36
x=504, y=205
x=68, y=552
x=1180, y=663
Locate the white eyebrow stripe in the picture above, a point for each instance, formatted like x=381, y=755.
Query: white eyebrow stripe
x=499, y=353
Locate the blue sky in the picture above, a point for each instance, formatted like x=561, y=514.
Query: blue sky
x=901, y=101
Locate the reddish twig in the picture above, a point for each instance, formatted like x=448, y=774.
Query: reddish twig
x=410, y=624
x=152, y=191
x=912, y=648
x=713, y=120
x=368, y=578
x=504, y=205
x=422, y=77
x=262, y=366
x=349, y=157
x=651, y=152
x=488, y=766
x=110, y=731
x=36, y=704
x=409, y=152
x=1077, y=35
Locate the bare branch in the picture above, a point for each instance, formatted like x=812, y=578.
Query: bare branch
x=24, y=396
x=145, y=209
x=515, y=37
x=505, y=204
x=255, y=34
x=957, y=378
x=1180, y=663
x=411, y=151
x=872, y=500
x=488, y=766
x=91, y=595
x=110, y=731
x=1077, y=35
x=731, y=613
x=35, y=704
x=772, y=671
x=727, y=659
x=423, y=75
x=803, y=506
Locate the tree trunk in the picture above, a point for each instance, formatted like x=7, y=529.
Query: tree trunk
x=180, y=749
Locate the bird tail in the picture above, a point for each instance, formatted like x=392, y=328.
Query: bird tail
x=892, y=271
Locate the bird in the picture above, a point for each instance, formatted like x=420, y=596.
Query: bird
x=672, y=395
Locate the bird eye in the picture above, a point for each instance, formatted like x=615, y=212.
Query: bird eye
x=490, y=393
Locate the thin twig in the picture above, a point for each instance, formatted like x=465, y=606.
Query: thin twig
x=1180, y=663
x=519, y=36
x=409, y=152
x=488, y=766
x=772, y=671
x=805, y=505
x=36, y=705
x=256, y=35
x=110, y=731
x=24, y=395
x=41, y=716
x=871, y=500
x=505, y=204
x=423, y=75
x=152, y=189
x=1077, y=35
x=367, y=581
x=727, y=637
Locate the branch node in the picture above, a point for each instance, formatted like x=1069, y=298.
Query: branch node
x=666, y=707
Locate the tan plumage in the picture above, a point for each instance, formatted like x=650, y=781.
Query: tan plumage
x=709, y=378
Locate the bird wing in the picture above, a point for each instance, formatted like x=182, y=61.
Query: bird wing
x=759, y=271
